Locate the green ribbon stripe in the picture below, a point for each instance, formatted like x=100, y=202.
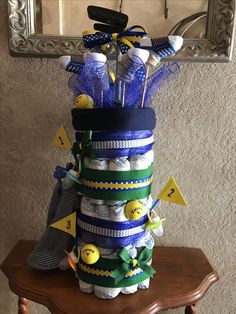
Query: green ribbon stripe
x=108, y=282
x=106, y=175
x=119, y=268
x=114, y=194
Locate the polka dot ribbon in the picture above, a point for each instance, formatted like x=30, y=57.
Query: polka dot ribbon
x=125, y=40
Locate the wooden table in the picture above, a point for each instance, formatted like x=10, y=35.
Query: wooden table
x=183, y=277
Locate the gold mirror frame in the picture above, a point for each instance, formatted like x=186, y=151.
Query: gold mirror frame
x=216, y=47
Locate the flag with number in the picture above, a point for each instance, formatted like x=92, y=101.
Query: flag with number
x=66, y=224
x=171, y=193
x=61, y=139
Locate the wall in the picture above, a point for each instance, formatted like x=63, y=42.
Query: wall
x=195, y=141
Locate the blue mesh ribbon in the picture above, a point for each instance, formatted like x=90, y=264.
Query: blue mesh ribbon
x=125, y=40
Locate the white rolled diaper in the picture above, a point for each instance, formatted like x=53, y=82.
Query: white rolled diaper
x=103, y=211
x=98, y=164
x=118, y=212
x=106, y=293
x=139, y=162
x=87, y=207
x=147, y=241
x=85, y=287
x=144, y=284
x=119, y=164
x=129, y=290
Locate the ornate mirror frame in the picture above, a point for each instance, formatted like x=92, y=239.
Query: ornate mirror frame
x=216, y=47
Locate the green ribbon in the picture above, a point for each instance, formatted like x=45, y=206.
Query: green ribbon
x=84, y=148
x=129, y=263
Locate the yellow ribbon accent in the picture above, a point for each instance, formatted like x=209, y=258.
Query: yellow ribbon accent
x=98, y=272
x=135, y=262
x=125, y=40
x=114, y=36
x=114, y=185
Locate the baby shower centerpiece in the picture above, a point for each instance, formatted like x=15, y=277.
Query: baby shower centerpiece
x=102, y=218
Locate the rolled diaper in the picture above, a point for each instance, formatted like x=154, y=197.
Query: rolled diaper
x=144, y=284
x=112, y=203
x=103, y=211
x=106, y=293
x=118, y=212
x=85, y=287
x=130, y=289
x=150, y=156
x=139, y=162
x=87, y=207
x=97, y=164
x=146, y=241
x=147, y=201
x=97, y=202
x=119, y=164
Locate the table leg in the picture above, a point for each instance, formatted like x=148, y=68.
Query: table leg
x=23, y=305
x=190, y=309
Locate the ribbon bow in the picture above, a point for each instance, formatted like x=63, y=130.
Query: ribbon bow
x=84, y=148
x=129, y=263
x=125, y=40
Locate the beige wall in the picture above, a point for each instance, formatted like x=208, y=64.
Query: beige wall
x=195, y=141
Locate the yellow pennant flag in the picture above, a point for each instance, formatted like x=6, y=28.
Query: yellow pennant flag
x=67, y=224
x=61, y=138
x=171, y=193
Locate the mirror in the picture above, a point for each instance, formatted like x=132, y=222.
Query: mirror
x=70, y=18
x=51, y=28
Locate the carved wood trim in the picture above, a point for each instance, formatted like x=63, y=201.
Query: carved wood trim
x=216, y=47
x=23, y=305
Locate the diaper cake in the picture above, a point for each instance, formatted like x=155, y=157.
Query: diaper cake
x=102, y=219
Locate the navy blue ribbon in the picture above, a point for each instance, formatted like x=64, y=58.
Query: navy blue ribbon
x=109, y=242
x=125, y=40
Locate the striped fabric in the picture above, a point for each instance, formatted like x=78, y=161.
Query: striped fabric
x=50, y=249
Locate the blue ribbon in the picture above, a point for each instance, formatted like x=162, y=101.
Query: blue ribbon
x=125, y=40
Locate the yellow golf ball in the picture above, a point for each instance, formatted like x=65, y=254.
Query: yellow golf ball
x=89, y=254
x=84, y=101
x=134, y=210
